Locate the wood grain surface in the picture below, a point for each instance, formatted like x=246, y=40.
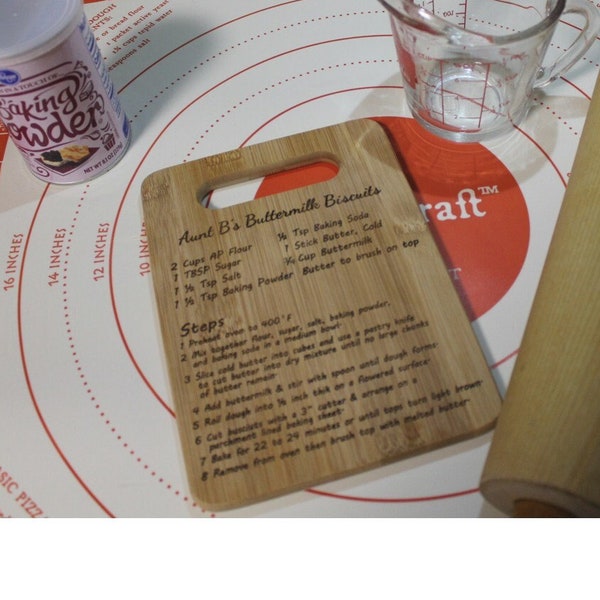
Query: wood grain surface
x=546, y=448
x=310, y=334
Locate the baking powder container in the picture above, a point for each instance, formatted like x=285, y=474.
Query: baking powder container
x=56, y=99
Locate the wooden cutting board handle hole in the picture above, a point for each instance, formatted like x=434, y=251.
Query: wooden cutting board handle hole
x=284, y=178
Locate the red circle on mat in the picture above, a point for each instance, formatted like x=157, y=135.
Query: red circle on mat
x=474, y=207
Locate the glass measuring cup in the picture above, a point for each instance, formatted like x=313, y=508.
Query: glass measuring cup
x=470, y=66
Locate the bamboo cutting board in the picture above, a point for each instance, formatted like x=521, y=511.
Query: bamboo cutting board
x=311, y=334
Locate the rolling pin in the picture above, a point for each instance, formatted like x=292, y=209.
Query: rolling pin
x=544, y=459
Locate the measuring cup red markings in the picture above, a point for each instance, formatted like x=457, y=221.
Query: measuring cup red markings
x=470, y=68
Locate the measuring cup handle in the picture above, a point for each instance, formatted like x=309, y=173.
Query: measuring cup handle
x=582, y=42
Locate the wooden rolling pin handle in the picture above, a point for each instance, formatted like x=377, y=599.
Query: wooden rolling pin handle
x=530, y=509
x=544, y=459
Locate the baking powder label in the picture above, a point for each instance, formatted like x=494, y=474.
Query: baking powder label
x=62, y=112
